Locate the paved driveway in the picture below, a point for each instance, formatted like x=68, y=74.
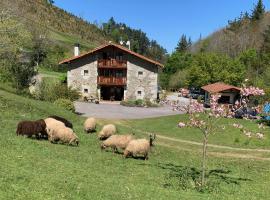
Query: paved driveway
x=116, y=111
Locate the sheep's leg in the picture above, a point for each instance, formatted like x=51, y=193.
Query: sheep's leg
x=146, y=156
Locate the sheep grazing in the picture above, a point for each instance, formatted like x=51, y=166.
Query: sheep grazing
x=52, y=124
x=63, y=134
x=30, y=128
x=90, y=125
x=61, y=119
x=139, y=147
x=117, y=142
x=107, y=131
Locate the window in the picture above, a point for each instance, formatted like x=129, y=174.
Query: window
x=85, y=90
x=85, y=72
x=140, y=74
x=139, y=93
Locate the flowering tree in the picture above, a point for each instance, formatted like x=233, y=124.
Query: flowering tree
x=207, y=120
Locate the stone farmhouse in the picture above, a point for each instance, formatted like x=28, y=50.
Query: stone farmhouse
x=113, y=72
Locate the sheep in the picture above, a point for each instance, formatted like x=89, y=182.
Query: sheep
x=30, y=128
x=117, y=142
x=61, y=119
x=52, y=124
x=90, y=125
x=107, y=131
x=139, y=147
x=62, y=134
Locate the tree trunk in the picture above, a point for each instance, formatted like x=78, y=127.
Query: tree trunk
x=205, y=141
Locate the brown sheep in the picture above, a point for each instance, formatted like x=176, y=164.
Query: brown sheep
x=139, y=147
x=117, y=142
x=30, y=128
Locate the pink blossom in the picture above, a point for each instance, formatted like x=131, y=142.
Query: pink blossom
x=259, y=135
x=196, y=107
x=252, y=91
x=184, y=92
x=240, y=126
x=261, y=126
x=181, y=125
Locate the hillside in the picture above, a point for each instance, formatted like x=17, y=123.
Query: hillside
x=33, y=169
x=64, y=29
x=239, y=35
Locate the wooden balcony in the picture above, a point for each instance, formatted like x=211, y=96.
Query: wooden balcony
x=112, y=63
x=102, y=80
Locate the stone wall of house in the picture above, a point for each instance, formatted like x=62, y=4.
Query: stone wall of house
x=142, y=79
x=82, y=75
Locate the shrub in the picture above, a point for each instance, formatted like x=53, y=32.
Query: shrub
x=51, y=90
x=128, y=103
x=65, y=103
x=138, y=103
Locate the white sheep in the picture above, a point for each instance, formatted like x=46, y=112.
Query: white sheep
x=117, y=142
x=63, y=134
x=52, y=124
x=139, y=147
x=90, y=125
x=107, y=131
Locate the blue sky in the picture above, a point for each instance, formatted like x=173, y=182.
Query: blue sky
x=163, y=20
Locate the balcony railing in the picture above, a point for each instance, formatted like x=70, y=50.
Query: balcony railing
x=102, y=80
x=112, y=63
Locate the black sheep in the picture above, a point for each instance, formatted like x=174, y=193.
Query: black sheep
x=30, y=128
x=61, y=119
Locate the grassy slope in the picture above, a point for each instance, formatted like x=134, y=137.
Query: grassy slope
x=33, y=169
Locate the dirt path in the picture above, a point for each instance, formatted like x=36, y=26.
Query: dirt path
x=198, y=143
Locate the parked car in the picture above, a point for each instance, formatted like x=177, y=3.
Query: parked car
x=196, y=94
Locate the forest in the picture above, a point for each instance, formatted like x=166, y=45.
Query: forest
x=238, y=52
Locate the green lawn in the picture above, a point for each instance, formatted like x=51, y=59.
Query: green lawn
x=47, y=73
x=70, y=40
x=32, y=169
x=231, y=136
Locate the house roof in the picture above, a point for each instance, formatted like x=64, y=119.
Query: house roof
x=111, y=45
x=219, y=87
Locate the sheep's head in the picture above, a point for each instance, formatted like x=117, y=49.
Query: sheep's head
x=102, y=146
x=76, y=141
x=152, y=138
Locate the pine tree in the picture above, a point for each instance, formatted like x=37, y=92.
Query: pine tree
x=258, y=11
x=183, y=44
x=189, y=43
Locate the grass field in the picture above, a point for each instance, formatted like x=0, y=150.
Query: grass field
x=32, y=169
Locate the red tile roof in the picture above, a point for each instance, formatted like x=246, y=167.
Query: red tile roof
x=112, y=45
x=219, y=87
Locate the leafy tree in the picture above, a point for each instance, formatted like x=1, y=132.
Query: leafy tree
x=15, y=40
x=258, y=11
x=266, y=41
x=140, y=43
x=256, y=64
x=211, y=68
x=176, y=62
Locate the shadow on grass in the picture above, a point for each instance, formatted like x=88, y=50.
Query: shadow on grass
x=186, y=178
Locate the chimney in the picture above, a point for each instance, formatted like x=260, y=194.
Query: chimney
x=77, y=49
